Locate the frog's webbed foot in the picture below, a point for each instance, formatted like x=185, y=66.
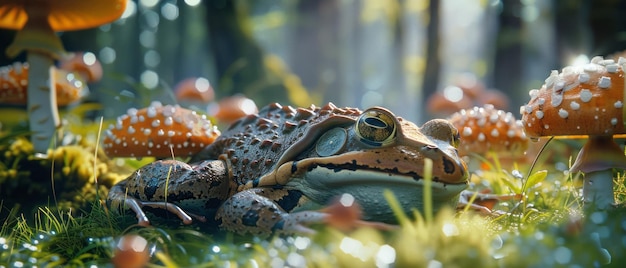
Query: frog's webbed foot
x=483, y=203
x=119, y=199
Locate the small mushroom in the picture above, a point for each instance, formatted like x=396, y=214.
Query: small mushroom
x=584, y=100
x=159, y=130
x=85, y=65
x=37, y=22
x=487, y=129
x=194, y=89
x=234, y=107
x=131, y=251
x=445, y=103
x=14, y=84
x=495, y=97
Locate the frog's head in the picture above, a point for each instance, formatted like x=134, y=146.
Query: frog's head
x=364, y=155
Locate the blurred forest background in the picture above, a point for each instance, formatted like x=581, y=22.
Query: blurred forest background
x=359, y=53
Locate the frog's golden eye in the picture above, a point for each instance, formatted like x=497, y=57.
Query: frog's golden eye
x=376, y=128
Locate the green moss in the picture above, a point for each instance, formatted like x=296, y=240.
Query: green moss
x=542, y=229
x=67, y=177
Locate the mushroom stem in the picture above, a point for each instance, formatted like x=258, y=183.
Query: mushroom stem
x=598, y=189
x=596, y=160
x=42, y=46
x=42, y=102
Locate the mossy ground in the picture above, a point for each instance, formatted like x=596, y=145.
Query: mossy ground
x=545, y=228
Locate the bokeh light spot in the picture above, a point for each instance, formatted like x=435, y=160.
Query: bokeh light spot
x=149, y=79
x=169, y=11
x=107, y=55
x=192, y=3
x=89, y=58
x=453, y=93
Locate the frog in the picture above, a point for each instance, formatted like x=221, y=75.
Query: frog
x=275, y=171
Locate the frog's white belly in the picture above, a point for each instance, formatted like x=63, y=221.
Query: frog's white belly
x=322, y=185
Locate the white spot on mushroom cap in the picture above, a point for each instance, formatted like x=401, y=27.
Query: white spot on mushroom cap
x=585, y=95
x=611, y=68
x=604, y=82
x=539, y=114
x=554, y=74
x=151, y=112
x=563, y=113
x=510, y=133
x=494, y=132
x=618, y=104
x=467, y=131
x=583, y=78
x=168, y=121
x=541, y=101
x=557, y=98
x=614, y=121
x=574, y=105
x=481, y=137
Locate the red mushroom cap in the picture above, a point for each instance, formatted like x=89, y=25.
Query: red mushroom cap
x=63, y=15
x=153, y=130
x=484, y=129
x=581, y=100
x=85, y=64
x=195, y=89
x=470, y=84
x=439, y=104
x=495, y=97
x=14, y=84
x=234, y=107
x=131, y=251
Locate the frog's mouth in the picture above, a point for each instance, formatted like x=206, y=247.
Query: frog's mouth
x=321, y=184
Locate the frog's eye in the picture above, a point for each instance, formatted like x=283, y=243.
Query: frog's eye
x=376, y=128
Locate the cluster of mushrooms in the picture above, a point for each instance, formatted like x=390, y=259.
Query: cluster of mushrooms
x=578, y=102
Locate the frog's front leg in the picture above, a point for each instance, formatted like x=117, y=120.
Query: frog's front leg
x=257, y=211
x=174, y=186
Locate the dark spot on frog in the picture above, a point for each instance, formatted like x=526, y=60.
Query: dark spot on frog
x=278, y=225
x=186, y=195
x=448, y=166
x=151, y=187
x=290, y=200
x=250, y=218
x=294, y=166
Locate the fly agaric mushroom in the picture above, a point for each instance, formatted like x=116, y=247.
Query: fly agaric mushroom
x=487, y=129
x=84, y=65
x=584, y=100
x=234, y=107
x=159, y=130
x=14, y=83
x=450, y=100
x=36, y=22
x=194, y=89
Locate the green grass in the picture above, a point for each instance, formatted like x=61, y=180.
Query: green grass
x=543, y=229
